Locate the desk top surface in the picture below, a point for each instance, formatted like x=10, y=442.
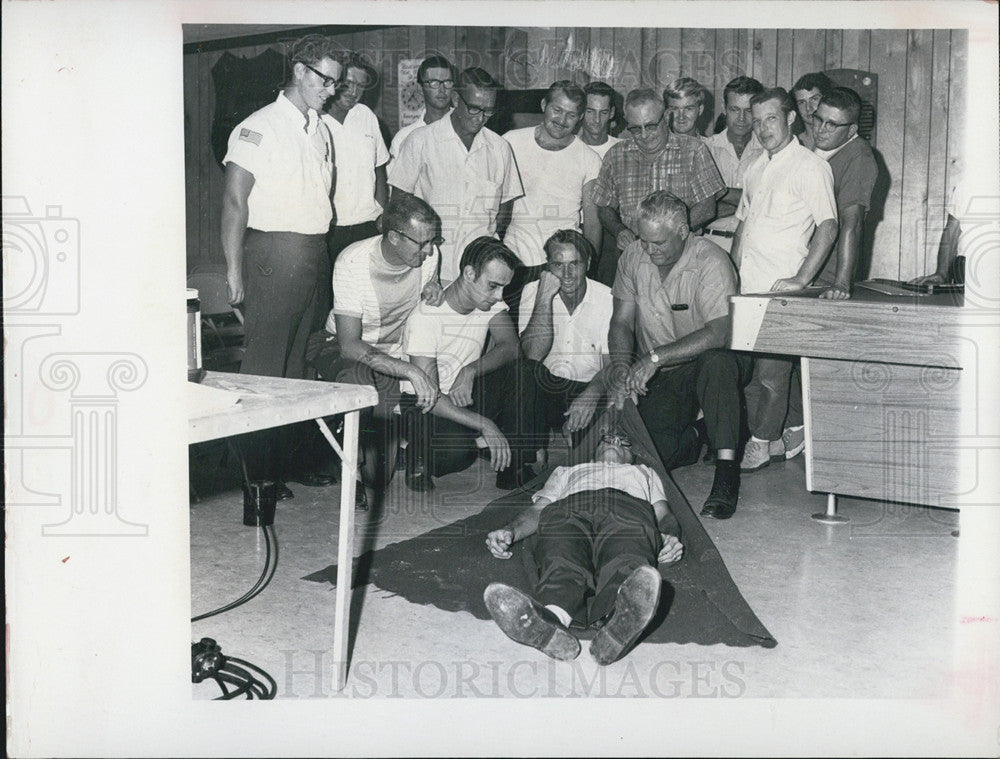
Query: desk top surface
x=256, y=403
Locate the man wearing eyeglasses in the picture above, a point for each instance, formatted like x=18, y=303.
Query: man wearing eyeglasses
x=463, y=169
x=436, y=77
x=669, y=328
x=362, y=190
x=376, y=285
x=275, y=249
x=653, y=159
x=602, y=528
x=788, y=223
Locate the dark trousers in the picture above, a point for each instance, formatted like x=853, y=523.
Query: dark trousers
x=378, y=433
x=281, y=273
x=587, y=545
x=505, y=396
x=713, y=382
x=553, y=396
x=512, y=292
x=337, y=239
x=605, y=263
x=767, y=396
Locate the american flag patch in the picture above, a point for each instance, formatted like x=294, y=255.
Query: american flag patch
x=248, y=135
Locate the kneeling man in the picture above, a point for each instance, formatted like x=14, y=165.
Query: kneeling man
x=599, y=540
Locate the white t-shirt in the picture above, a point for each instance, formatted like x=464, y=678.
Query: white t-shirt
x=453, y=339
x=367, y=287
x=602, y=150
x=286, y=161
x=553, y=183
x=580, y=339
x=465, y=186
x=784, y=199
x=360, y=148
x=637, y=480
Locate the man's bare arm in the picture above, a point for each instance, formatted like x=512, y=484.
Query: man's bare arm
x=235, y=213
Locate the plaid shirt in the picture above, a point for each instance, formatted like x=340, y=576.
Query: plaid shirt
x=684, y=167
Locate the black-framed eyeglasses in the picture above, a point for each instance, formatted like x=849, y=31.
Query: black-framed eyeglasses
x=436, y=84
x=638, y=129
x=475, y=110
x=624, y=442
x=436, y=240
x=823, y=124
x=328, y=81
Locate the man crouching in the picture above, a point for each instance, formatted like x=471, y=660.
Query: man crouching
x=598, y=541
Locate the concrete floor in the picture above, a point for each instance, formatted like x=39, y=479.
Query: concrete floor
x=862, y=610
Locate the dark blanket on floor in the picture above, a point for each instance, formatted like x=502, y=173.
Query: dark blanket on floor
x=449, y=567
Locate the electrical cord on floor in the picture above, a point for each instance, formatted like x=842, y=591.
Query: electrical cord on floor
x=266, y=575
x=208, y=662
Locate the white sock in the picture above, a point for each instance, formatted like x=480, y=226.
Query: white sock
x=758, y=440
x=794, y=429
x=560, y=612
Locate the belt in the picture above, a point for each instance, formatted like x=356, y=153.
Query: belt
x=720, y=233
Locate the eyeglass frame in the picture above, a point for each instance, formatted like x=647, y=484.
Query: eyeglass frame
x=436, y=240
x=824, y=124
x=437, y=84
x=476, y=110
x=640, y=129
x=328, y=81
x=618, y=440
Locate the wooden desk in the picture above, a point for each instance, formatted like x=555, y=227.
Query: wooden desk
x=273, y=402
x=880, y=380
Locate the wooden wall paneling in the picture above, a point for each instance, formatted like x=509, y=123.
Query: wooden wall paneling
x=192, y=176
x=210, y=191
x=397, y=48
x=730, y=61
x=916, y=148
x=648, y=47
x=808, y=53
x=765, y=56
x=667, y=59
x=698, y=54
x=855, y=46
x=834, y=49
x=515, y=69
x=744, y=54
x=539, y=53
x=478, y=45
x=957, y=94
x=888, y=58
x=581, y=56
x=416, y=42
x=628, y=59
x=784, y=63
x=937, y=158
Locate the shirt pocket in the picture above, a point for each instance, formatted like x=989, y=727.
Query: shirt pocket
x=483, y=196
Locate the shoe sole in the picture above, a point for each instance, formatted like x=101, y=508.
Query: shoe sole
x=757, y=468
x=712, y=511
x=635, y=606
x=795, y=451
x=517, y=615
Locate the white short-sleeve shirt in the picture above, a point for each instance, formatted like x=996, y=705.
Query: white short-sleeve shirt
x=382, y=296
x=291, y=158
x=602, y=150
x=553, y=183
x=360, y=149
x=465, y=186
x=451, y=338
x=785, y=197
x=404, y=132
x=580, y=339
x=637, y=480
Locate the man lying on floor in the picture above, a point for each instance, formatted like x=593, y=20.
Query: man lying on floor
x=599, y=539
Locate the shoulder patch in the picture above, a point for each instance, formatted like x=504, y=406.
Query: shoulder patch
x=248, y=135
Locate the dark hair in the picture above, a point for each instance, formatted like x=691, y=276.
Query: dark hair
x=844, y=99
x=684, y=87
x=741, y=85
x=353, y=60
x=601, y=89
x=477, y=77
x=570, y=90
x=775, y=93
x=664, y=205
x=815, y=81
x=484, y=249
x=435, y=62
x=570, y=237
x=312, y=49
x=404, y=208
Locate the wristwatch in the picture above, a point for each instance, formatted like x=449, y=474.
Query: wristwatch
x=654, y=357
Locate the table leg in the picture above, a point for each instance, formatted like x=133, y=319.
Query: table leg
x=345, y=542
x=830, y=516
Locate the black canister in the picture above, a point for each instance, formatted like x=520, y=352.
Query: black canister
x=259, y=503
x=194, y=336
